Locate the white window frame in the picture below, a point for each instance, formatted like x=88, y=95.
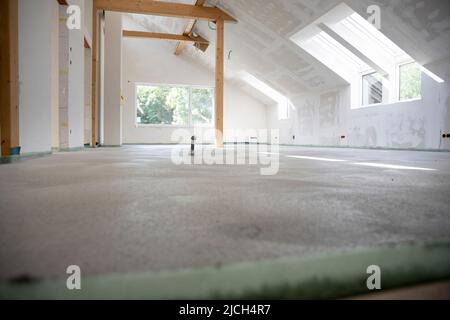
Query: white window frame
x=391, y=86
x=190, y=123
x=385, y=89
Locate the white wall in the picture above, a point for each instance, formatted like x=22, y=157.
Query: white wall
x=55, y=73
x=321, y=119
x=148, y=61
x=88, y=27
x=87, y=96
x=35, y=75
x=76, y=82
x=52, y=83
x=112, y=79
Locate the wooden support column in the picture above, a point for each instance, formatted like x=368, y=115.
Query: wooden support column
x=9, y=74
x=219, y=92
x=94, y=75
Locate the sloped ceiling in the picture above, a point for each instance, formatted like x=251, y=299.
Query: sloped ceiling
x=419, y=27
x=259, y=44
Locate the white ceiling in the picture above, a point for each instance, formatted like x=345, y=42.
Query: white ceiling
x=259, y=44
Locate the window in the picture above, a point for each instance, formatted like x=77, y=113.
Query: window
x=284, y=104
x=372, y=89
x=174, y=105
x=350, y=46
x=331, y=53
x=410, y=77
x=162, y=105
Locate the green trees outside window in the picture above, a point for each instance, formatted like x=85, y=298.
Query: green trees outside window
x=410, y=81
x=178, y=106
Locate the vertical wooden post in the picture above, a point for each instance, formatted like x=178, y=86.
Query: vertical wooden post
x=9, y=75
x=219, y=92
x=94, y=75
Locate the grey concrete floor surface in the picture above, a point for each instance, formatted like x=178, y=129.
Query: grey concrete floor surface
x=131, y=209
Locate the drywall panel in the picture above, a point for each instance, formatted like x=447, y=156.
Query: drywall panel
x=399, y=125
x=35, y=74
x=112, y=79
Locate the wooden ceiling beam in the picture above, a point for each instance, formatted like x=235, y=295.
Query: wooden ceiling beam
x=168, y=9
x=188, y=30
x=164, y=36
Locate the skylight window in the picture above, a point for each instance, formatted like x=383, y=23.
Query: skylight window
x=356, y=29
x=262, y=87
x=328, y=42
x=284, y=104
x=363, y=56
x=331, y=53
x=349, y=44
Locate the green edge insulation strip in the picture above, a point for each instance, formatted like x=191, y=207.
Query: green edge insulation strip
x=322, y=277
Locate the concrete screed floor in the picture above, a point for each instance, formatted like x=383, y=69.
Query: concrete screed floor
x=131, y=209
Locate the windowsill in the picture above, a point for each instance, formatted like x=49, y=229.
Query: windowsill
x=170, y=126
x=386, y=104
x=410, y=100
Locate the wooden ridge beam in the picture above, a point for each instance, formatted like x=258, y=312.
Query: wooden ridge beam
x=168, y=9
x=164, y=36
